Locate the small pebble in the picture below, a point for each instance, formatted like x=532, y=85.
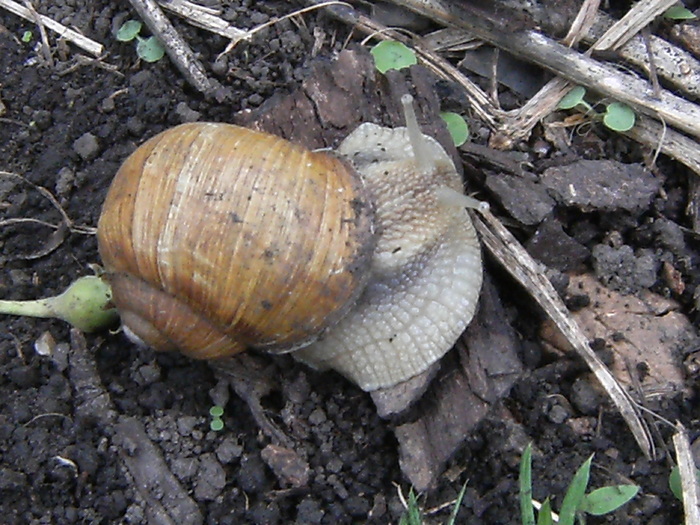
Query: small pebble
x=86, y=146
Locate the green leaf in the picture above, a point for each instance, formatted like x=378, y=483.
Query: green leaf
x=27, y=36
x=545, y=515
x=216, y=411
x=574, y=495
x=457, y=126
x=390, y=54
x=128, y=31
x=527, y=512
x=675, y=484
x=607, y=499
x=458, y=504
x=573, y=98
x=412, y=515
x=149, y=49
x=619, y=117
x=678, y=12
x=216, y=424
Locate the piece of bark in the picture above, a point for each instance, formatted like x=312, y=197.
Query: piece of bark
x=460, y=399
x=166, y=501
x=338, y=96
x=551, y=245
x=395, y=400
x=523, y=198
x=287, y=465
x=602, y=185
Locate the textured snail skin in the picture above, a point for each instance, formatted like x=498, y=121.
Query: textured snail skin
x=425, y=274
x=216, y=238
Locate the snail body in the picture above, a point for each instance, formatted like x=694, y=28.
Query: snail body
x=216, y=238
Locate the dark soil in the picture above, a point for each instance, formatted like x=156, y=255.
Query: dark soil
x=80, y=425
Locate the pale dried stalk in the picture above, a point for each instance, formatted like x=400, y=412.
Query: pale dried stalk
x=605, y=79
x=249, y=33
x=582, y=23
x=67, y=222
x=177, y=49
x=667, y=141
x=45, y=47
x=203, y=17
x=678, y=68
x=632, y=23
x=84, y=43
x=509, y=253
x=689, y=480
x=479, y=102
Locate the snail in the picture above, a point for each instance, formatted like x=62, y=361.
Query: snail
x=217, y=238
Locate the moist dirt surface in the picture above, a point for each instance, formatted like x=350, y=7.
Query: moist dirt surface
x=94, y=429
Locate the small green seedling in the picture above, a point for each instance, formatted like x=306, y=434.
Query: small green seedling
x=574, y=98
x=617, y=117
x=457, y=126
x=527, y=511
x=148, y=49
x=129, y=30
x=216, y=423
x=27, y=36
x=577, y=503
x=413, y=515
x=85, y=304
x=678, y=12
x=390, y=54
x=674, y=482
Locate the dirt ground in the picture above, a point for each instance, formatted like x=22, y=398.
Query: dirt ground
x=84, y=427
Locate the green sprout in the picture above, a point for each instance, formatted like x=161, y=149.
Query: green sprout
x=577, y=503
x=617, y=117
x=527, y=512
x=85, y=304
x=216, y=423
x=390, y=54
x=678, y=12
x=129, y=30
x=27, y=36
x=457, y=126
x=675, y=484
x=413, y=515
x=148, y=49
x=574, y=98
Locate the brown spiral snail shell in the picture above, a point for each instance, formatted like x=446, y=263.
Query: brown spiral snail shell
x=217, y=238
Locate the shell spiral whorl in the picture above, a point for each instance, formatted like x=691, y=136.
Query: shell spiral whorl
x=263, y=241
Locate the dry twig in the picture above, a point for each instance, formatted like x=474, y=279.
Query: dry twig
x=509, y=253
x=689, y=480
x=632, y=23
x=176, y=48
x=92, y=47
x=203, y=17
